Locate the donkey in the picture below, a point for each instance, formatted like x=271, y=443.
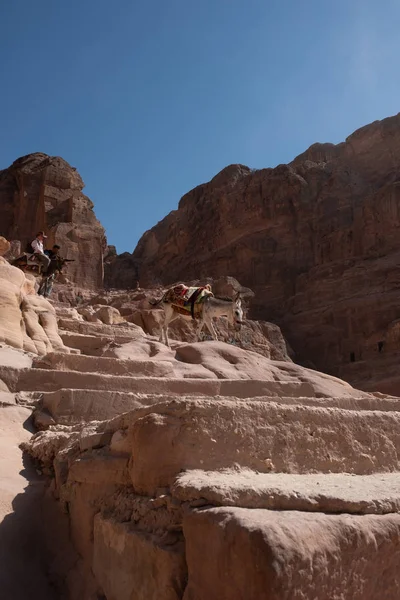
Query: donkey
x=209, y=308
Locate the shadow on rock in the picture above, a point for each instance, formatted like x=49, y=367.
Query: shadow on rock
x=23, y=560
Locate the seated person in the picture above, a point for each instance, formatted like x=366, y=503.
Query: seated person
x=38, y=250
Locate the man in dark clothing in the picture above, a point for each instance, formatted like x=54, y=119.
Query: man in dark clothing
x=54, y=252
x=46, y=286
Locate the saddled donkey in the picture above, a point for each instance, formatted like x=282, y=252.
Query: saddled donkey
x=206, y=310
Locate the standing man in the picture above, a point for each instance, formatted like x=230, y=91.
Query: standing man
x=38, y=250
x=46, y=286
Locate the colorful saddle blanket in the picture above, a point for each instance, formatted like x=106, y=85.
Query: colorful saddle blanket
x=188, y=299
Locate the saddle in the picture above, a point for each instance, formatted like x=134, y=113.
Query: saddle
x=27, y=259
x=188, y=299
x=31, y=259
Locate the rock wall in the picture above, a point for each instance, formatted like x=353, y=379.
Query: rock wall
x=27, y=321
x=40, y=192
x=317, y=240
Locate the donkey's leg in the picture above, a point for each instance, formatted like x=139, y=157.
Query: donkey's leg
x=210, y=325
x=164, y=326
x=161, y=338
x=174, y=316
x=202, y=320
x=207, y=320
x=199, y=328
x=170, y=315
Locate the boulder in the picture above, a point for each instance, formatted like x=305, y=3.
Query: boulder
x=290, y=555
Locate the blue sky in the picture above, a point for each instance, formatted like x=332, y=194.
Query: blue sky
x=149, y=99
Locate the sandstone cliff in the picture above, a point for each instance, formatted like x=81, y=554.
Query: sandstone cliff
x=40, y=192
x=317, y=240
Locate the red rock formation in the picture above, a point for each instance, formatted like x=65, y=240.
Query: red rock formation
x=317, y=240
x=43, y=192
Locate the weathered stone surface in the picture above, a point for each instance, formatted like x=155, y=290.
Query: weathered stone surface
x=45, y=445
x=326, y=492
x=263, y=436
x=10, y=357
x=85, y=501
x=69, y=406
x=42, y=420
x=228, y=361
x=129, y=564
x=121, y=333
x=111, y=366
x=46, y=380
x=91, y=345
x=316, y=240
x=104, y=469
x=40, y=192
x=101, y=314
x=266, y=555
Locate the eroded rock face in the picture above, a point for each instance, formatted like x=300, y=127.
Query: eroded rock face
x=317, y=240
x=147, y=567
x=40, y=192
x=288, y=544
x=27, y=321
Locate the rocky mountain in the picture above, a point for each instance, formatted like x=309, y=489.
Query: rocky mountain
x=317, y=240
x=40, y=192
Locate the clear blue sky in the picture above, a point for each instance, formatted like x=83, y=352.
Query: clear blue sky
x=149, y=99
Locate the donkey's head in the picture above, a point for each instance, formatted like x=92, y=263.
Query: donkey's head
x=237, y=312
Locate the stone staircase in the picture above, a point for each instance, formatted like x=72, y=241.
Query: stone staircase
x=225, y=489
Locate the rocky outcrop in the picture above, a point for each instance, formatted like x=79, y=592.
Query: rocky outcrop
x=317, y=240
x=27, y=321
x=40, y=192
